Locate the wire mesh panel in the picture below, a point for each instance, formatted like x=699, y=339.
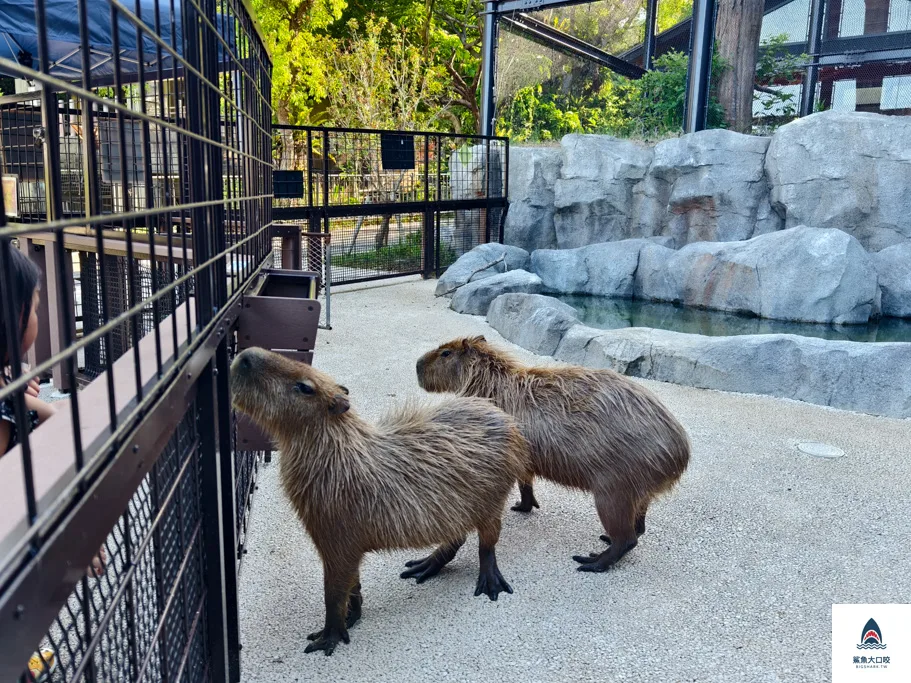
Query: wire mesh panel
x=378, y=194
x=153, y=559
x=137, y=199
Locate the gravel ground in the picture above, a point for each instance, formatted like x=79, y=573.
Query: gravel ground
x=733, y=581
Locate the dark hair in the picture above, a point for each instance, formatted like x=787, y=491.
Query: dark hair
x=20, y=281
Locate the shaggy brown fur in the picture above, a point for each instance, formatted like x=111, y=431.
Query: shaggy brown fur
x=421, y=476
x=593, y=430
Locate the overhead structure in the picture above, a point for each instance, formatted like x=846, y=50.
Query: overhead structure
x=514, y=15
x=862, y=48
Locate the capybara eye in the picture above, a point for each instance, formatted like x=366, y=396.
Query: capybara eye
x=446, y=353
x=304, y=388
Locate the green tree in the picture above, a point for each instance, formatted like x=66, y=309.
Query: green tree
x=383, y=81
x=454, y=31
x=672, y=12
x=656, y=100
x=302, y=50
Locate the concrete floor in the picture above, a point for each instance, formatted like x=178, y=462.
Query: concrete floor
x=733, y=581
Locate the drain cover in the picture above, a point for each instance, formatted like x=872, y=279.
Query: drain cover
x=819, y=450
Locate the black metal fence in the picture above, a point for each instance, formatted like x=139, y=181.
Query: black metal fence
x=392, y=202
x=137, y=176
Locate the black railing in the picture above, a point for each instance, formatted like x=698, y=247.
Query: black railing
x=392, y=202
x=138, y=178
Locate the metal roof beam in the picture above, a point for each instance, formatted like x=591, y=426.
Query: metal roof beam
x=563, y=42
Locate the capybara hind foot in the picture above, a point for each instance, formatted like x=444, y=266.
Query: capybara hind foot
x=490, y=581
x=431, y=565
x=600, y=562
x=640, y=529
x=327, y=640
x=355, y=601
x=527, y=499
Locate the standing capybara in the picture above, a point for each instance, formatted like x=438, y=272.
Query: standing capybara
x=593, y=430
x=421, y=476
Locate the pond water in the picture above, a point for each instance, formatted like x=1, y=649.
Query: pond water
x=611, y=314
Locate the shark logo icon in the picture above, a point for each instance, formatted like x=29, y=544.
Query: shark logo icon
x=871, y=637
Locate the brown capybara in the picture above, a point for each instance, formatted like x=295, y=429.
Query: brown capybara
x=423, y=475
x=593, y=430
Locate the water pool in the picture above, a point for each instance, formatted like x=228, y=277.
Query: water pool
x=611, y=314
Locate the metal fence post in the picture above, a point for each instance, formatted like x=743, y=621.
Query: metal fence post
x=651, y=19
x=214, y=531
x=489, y=68
x=808, y=95
x=429, y=242
x=699, y=74
x=229, y=512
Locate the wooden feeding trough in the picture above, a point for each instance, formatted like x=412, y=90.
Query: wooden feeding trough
x=281, y=315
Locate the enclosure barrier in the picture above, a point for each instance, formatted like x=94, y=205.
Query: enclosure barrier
x=390, y=203
x=137, y=176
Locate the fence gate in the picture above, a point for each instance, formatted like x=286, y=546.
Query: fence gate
x=137, y=175
x=388, y=203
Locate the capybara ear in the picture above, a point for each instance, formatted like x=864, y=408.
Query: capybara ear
x=470, y=343
x=345, y=389
x=338, y=405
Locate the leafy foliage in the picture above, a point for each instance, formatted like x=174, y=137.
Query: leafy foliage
x=417, y=64
x=382, y=80
x=657, y=99
x=774, y=68
x=301, y=51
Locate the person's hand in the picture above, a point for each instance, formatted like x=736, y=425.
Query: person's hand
x=33, y=389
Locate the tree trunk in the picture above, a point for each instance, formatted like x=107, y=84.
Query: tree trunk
x=737, y=42
x=382, y=237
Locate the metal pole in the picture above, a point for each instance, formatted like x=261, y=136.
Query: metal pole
x=651, y=21
x=489, y=69
x=699, y=74
x=808, y=97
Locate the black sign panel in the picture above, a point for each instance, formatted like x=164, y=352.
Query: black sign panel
x=288, y=184
x=397, y=150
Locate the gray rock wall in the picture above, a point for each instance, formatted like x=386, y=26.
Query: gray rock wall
x=599, y=189
x=894, y=267
x=711, y=187
x=803, y=274
x=533, y=173
x=847, y=375
x=850, y=171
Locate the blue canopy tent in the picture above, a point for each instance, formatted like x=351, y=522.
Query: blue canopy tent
x=19, y=44
x=19, y=39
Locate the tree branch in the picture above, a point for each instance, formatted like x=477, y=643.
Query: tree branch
x=762, y=88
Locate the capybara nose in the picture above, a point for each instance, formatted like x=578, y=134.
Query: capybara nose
x=339, y=404
x=420, y=366
x=248, y=358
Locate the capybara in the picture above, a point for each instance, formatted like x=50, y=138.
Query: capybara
x=423, y=475
x=593, y=430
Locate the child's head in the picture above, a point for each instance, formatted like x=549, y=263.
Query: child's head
x=22, y=280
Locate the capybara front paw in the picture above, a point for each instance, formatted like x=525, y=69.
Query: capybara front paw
x=525, y=506
x=593, y=562
x=605, y=538
x=601, y=562
x=422, y=569
x=327, y=640
x=491, y=584
x=527, y=499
